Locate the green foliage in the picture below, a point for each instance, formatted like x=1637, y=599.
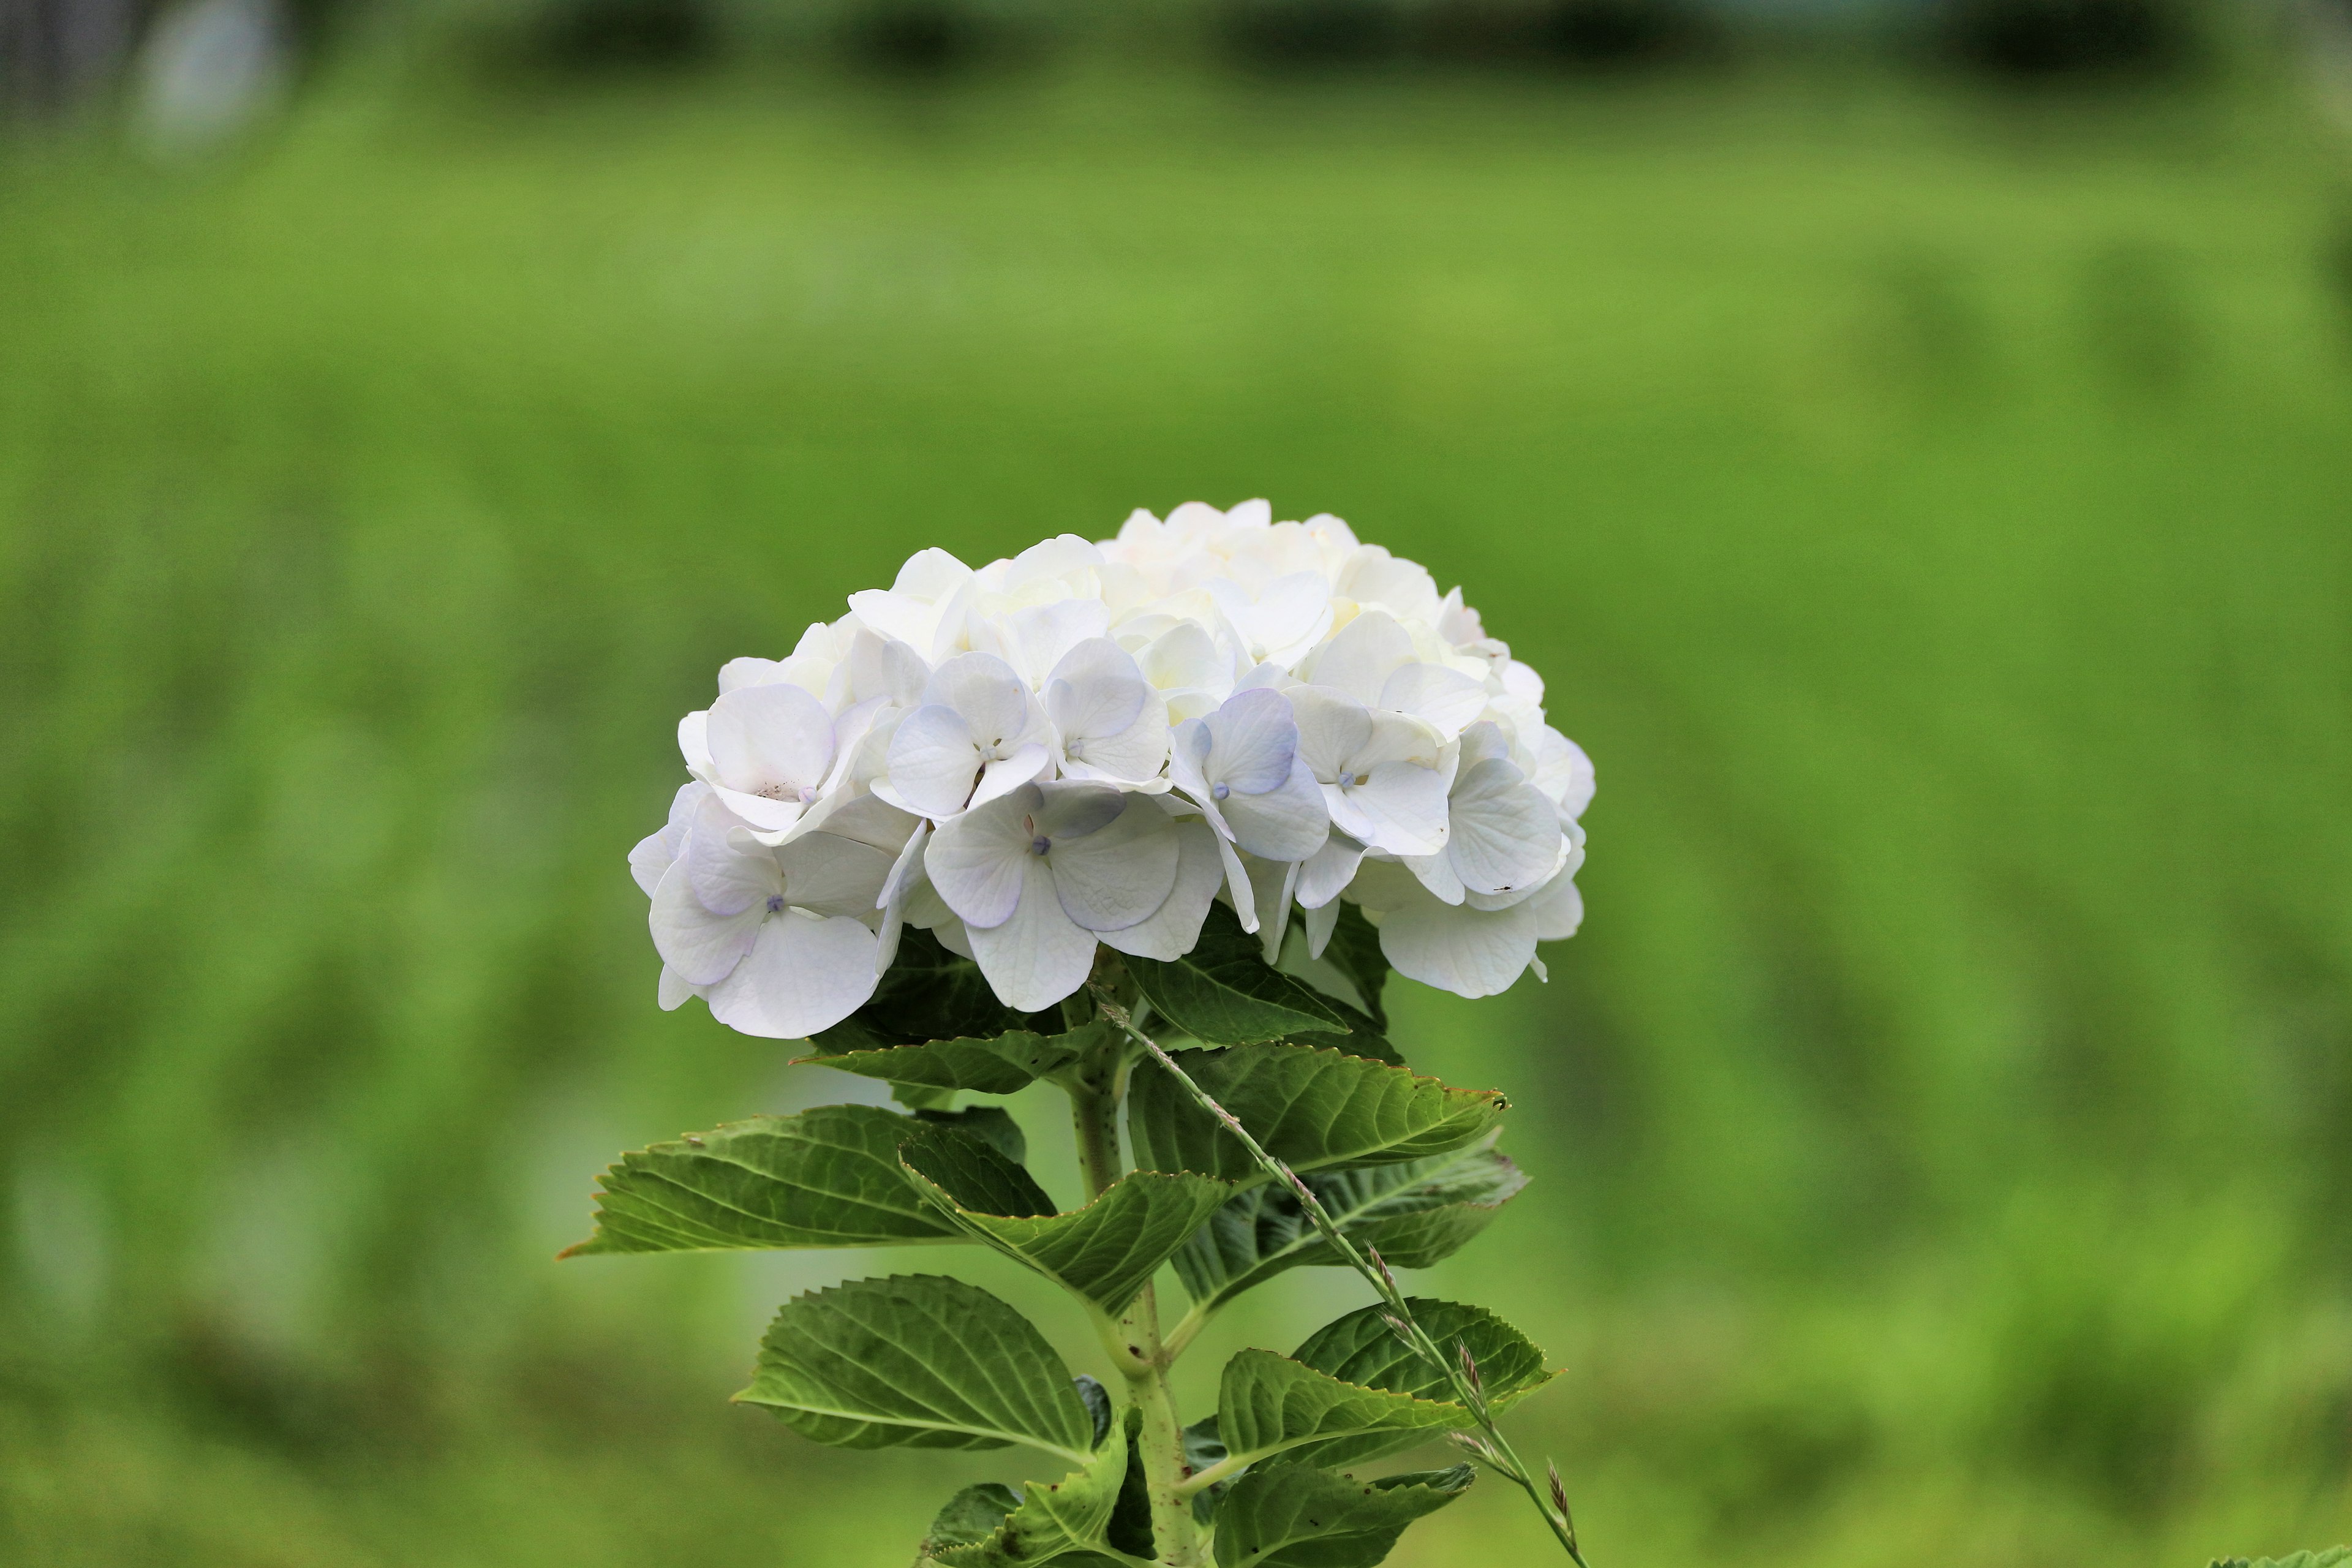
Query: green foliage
x=1105, y=1251
x=1269, y=1405
x=1067, y=1521
x=920, y=1362
x=1222, y=992
x=1416, y=1213
x=1311, y=1107
x=2335, y=1557
x=1361, y=1350
x=1297, y=1516
x=827, y=1177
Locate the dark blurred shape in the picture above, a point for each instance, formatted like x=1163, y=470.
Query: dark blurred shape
x=2042, y=39
x=606, y=35
x=53, y=53
x=917, y=37
x=1292, y=35
x=2336, y=262
x=1594, y=34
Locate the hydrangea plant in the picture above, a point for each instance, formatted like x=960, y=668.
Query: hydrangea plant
x=1151, y=820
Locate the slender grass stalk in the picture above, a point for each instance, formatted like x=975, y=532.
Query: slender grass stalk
x=1490, y=1447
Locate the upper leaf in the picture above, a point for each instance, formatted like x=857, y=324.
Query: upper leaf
x=1360, y=1348
x=1269, y=1403
x=1416, y=1213
x=827, y=1177
x=1062, y=1521
x=1297, y=1516
x=1105, y=1251
x=1313, y=1108
x=1222, y=991
x=918, y=1361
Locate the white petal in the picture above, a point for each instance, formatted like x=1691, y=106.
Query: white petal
x=764, y=737
x=1286, y=823
x=1133, y=756
x=1175, y=927
x=1406, y=806
x=1447, y=699
x=673, y=990
x=1320, y=922
x=1272, y=888
x=1118, y=875
x=1325, y=874
x=888, y=669
x=1505, y=834
x=1332, y=728
x=758, y=811
x=1362, y=655
x=834, y=875
x=1558, y=910
x=1095, y=690
x=1436, y=873
x=727, y=878
x=934, y=762
x=1039, y=955
x=1037, y=638
x=978, y=861
x=1072, y=810
x=694, y=743
x=738, y=673
x=988, y=695
x=1471, y=952
x=1006, y=775
x=1289, y=618
x=702, y=946
x=1237, y=885
x=803, y=975
x=1563, y=772
x=1252, y=741
x=654, y=852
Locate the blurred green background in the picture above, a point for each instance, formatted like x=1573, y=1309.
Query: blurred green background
x=1925, y=479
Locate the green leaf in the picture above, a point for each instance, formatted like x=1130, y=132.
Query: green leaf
x=1297, y=1516
x=1416, y=1213
x=1223, y=991
x=827, y=1177
x=972, y=1514
x=1063, y=1521
x=1313, y=1108
x=1269, y=1403
x=1000, y=1064
x=1105, y=1251
x=1360, y=1348
x=991, y=1124
x=2334, y=1557
x=930, y=994
x=917, y=1361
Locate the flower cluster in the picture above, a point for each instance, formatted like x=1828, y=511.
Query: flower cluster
x=1091, y=743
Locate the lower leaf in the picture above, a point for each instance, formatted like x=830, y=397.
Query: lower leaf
x=919, y=1361
x=1065, y=1521
x=1297, y=1516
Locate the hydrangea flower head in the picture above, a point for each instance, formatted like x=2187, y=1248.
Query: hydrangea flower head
x=1088, y=745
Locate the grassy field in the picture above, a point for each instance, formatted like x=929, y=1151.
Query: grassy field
x=1934, y=514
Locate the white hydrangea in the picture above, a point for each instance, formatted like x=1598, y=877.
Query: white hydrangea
x=1091, y=743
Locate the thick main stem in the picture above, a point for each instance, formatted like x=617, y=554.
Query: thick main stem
x=1096, y=1089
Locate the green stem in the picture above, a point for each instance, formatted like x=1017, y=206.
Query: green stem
x=1096, y=1089
x=1491, y=1446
